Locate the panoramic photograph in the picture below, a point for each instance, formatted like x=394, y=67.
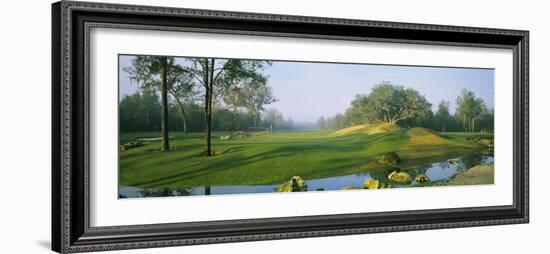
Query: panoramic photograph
x=191, y=126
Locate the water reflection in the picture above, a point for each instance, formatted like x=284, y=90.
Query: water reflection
x=436, y=171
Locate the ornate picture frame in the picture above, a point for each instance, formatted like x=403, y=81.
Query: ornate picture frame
x=71, y=24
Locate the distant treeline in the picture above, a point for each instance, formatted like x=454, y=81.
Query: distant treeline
x=141, y=112
x=387, y=103
x=451, y=123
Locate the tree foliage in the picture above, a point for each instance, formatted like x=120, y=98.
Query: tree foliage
x=156, y=73
x=469, y=109
x=218, y=75
x=358, y=112
x=254, y=98
x=388, y=103
x=183, y=91
x=140, y=112
x=443, y=115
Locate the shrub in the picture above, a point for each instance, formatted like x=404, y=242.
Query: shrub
x=389, y=158
x=422, y=179
x=295, y=184
x=400, y=177
x=371, y=184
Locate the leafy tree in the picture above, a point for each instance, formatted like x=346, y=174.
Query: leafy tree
x=289, y=124
x=388, y=103
x=255, y=98
x=273, y=118
x=183, y=90
x=139, y=112
x=464, y=104
x=156, y=73
x=215, y=75
x=232, y=99
x=478, y=111
x=486, y=121
x=336, y=122
x=222, y=119
x=322, y=123
x=232, y=94
x=443, y=113
x=469, y=109
x=357, y=113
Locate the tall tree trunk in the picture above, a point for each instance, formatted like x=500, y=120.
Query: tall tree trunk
x=164, y=92
x=253, y=113
x=235, y=127
x=207, y=117
x=183, y=115
x=209, y=123
x=464, y=122
x=147, y=125
x=208, y=105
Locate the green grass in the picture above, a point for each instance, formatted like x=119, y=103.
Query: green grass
x=275, y=158
x=460, y=137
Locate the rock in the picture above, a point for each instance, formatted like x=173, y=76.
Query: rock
x=389, y=158
x=371, y=184
x=226, y=137
x=131, y=145
x=320, y=189
x=422, y=179
x=400, y=177
x=295, y=184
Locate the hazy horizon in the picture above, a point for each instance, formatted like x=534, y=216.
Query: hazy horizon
x=308, y=90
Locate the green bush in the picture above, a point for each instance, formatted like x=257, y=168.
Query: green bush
x=422, y=179
x=295, y=184
x=400, y=177
x=371, y=184
x=389, y=158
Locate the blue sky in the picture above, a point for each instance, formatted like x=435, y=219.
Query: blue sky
x=305, y=91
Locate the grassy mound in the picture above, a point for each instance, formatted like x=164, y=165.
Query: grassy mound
x=368, y=129
x=422, y=136
x=419, y=131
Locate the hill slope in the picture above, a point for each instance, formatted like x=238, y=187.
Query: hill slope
x=422, y=136
x=368, y=129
